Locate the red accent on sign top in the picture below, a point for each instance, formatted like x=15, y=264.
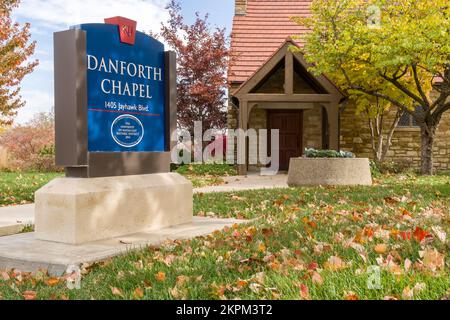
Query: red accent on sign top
x=127, y=28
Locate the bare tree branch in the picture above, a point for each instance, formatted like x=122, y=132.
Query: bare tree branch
x=419, y=86
x=403, y=88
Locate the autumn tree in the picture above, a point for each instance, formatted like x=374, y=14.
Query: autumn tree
x=15, y=50
x=396, y=51
x=202, y=60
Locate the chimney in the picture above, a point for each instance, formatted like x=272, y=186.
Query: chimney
x=241, y=7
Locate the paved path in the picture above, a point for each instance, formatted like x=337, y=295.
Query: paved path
x=14, y=218
x=25, y=253
x=250, y=182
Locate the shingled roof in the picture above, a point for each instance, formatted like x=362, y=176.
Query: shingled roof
x=262, y=30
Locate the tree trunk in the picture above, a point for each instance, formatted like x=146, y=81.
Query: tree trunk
x=427, y=137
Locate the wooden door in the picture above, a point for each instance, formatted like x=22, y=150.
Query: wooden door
x=290, y=124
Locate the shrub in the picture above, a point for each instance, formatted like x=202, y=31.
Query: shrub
x=31, y=146
x=313, y=153
x=374, y=169
x=395, y=167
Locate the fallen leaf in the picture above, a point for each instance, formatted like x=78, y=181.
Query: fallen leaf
x=394, y=268
x=351, y=296
x=392, y=200
x=175, y=293
x=407, y=293
x=440, y=234
x=408, y=264
x=317, y=279
x=381, y=248
x=29, y=295
x=4, y=276
x=335, y=264
x=160, y=276
x=52, y=282
x=420, y=234
x=405, y=235
x=267, y=232
x=304, y=292
x=260, y=278
x=116, y=291
x=433, y=260
x=419, y=287
x=255, y=287
x=313, y=266
x=181, y=280
x=138, y=293
x=262, y=248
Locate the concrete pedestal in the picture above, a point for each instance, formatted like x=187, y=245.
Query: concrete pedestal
x=76, y=211
x=329, y=172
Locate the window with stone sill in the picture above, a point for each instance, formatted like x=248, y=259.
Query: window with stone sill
x=408, y=121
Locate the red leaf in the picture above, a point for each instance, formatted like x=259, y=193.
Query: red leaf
x=313, y=266
x=420, y=234
x=304, y=292
x=405, y=235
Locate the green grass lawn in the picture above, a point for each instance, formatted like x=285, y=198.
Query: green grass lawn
x=306, y=243
x=19, y=188
x=202, y=175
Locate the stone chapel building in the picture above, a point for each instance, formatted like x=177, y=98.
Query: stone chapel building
x=271, y=88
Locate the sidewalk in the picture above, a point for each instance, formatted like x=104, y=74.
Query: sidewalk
x=250, y=182
x=14, y=218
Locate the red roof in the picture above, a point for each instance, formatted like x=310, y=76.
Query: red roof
x=258, y=34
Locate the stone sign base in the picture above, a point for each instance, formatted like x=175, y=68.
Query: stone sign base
x=76, y=210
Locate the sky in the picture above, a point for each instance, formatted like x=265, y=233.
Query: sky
x=49, y=16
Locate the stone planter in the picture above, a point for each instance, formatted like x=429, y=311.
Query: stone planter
x=329, y=172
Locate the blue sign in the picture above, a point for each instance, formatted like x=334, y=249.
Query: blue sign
x=126, y=91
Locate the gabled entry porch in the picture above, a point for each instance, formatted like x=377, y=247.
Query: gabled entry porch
x=283, y=95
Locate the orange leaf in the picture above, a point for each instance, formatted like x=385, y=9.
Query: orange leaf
x=381, y=248
x=406, y=213
x=351, y=297
x=369, y=232
x=52, y=282
x=138, y=293
x=160, y=276
x=262, y=247
x=29, y=295
x=275, y=265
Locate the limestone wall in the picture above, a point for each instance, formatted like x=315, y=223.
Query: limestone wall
x=405, y=149
x=312, y=128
